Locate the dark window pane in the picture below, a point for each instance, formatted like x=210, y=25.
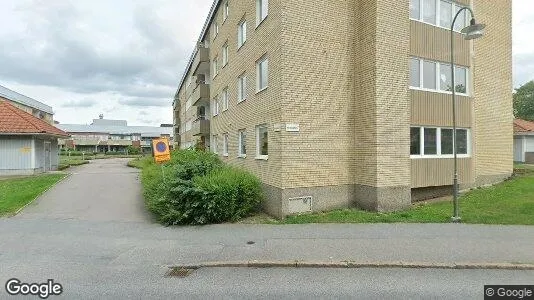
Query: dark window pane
x=430, y=141
x=415, y=145
x=461, y=141
x=446, y=141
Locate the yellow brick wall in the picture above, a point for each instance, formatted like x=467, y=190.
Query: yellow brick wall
x=492, y=60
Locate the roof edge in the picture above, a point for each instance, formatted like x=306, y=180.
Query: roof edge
x=207, y=23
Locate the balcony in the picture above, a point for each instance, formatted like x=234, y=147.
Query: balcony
x=201, y=62
x=201, y=95
x=201, y=127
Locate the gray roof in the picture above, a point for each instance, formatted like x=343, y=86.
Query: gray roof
x=125, y=130
x=25, y=100
x=108, y=122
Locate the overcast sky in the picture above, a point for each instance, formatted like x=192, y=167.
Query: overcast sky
x=124, y=58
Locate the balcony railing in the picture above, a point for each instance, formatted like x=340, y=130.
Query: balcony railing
x=201, y=127
x=201, y=95
x=201, y=62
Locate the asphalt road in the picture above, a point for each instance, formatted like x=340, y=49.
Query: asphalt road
x=91, y=234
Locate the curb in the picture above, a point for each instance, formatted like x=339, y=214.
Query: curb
x=356, y=265
x=42, y=193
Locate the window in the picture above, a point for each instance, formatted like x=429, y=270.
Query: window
x=430, y=141
x=188, y=125
x=225, y=144
x=439, y=13
x=429, y=75
x=224, y=99
x=437, y=142
x=215, y=106
x=241, y=88
x=434, y=70
x=415, y=137
x=241, y=34
x=429, y=11
x=262, y=73
x=415, y=72
x=262, y=9
x=262, y=142
x=445, y=14
x=226, y=11
x=188, y=103
x=215, y=29
x=242, y=143
x=215, y=66
x=225, y=55
x=214, y=144
x=415, y=9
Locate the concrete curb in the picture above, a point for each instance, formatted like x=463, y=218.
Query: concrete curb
x=49, y=188
x=356, y=265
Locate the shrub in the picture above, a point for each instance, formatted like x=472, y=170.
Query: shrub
x=198, y=189
x=133, y=150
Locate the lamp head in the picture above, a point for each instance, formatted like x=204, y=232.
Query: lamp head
x=473, y=31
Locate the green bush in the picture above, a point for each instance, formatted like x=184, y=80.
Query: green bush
x=198, y=189
x=133, y=150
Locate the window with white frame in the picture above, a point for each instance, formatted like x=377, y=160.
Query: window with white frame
x=262, y=73
x=262, y=9
x=215, y=106
x=439, y=13
x=241, y=88
x=215, y=144
x=436, y=142
x=226, y=10
x=241, y=33
x=225, y=144
x=225, y=55
x=224, y=99
x=435, y=76
x=215, y=66
x=242, y=143
x=215, y=29
x=262, y=142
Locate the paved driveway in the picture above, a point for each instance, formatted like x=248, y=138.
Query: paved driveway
x=104, y=190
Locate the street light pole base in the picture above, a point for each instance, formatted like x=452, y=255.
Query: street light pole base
x=456, y=219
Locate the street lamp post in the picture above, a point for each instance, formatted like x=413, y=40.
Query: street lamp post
x=471, y=32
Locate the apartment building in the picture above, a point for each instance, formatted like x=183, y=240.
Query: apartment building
x=348, y=103
x=27, y=104
x=105, y=135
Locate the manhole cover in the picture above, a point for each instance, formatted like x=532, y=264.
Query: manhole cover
x=179, y=272
x=251, y=242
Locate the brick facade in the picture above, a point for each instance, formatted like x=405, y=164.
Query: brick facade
x=340, y=69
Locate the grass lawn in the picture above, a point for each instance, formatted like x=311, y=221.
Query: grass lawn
x=510, y=202
x=65, y=161
x=17, y=192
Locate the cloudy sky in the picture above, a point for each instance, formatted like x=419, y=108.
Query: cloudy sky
x=124, y=58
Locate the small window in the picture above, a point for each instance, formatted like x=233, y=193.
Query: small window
x=415, y=73
x=226, y=11
x=242, y=88
x=446, y=141
x=415, y=9
x=461, y=141
x=242, y=143
x=262, y=142
x=225, y=55
x=225, y=144
x=241, y=34
x=430, y=141
x=429, y=75
x=460, y=79
x=215, y=106
x=445, y=18
x=429, y=11
x=224, y=99
x=215, y=29
x=262, y=73
x=262, y=9
x=215, y=66
x=415, y=143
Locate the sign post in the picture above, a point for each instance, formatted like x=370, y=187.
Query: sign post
x=160, y=148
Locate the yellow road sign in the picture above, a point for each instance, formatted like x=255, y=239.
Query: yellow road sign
x=161, y=150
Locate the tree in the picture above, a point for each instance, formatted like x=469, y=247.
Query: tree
x=524, y=101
